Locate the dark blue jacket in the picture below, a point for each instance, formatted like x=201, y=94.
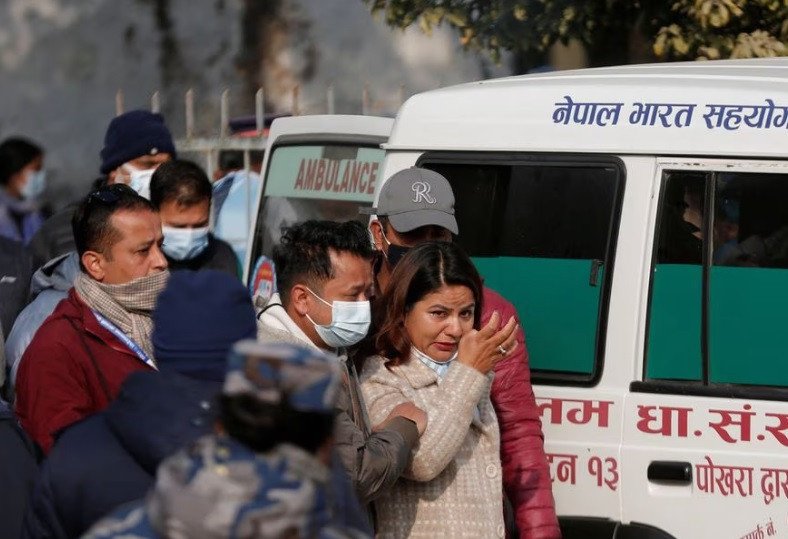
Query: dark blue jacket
x=111, y=458
x=18, y=471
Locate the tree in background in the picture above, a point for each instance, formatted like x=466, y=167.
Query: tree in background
x=612, y=31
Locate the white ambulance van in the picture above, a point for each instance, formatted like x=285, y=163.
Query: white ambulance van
x=637, y=217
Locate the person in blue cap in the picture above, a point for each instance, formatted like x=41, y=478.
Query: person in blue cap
x=111, y=458
x=265, y=473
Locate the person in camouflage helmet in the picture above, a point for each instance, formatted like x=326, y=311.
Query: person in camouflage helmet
x=265, y=473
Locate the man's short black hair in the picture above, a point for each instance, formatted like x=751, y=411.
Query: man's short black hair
x=16, y=154
x=91, y=223
x=179, y=181
x=302, y=255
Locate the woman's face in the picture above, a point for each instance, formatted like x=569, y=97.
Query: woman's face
x=436, y=323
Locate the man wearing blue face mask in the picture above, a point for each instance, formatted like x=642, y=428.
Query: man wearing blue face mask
x=181, y=193
x=324, y=274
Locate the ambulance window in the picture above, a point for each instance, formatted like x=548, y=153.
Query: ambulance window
x=326, y=182
x=717, y=312
x=541, y=236
x=674, y=344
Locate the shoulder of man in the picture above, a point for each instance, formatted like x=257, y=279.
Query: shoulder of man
x=266, y=333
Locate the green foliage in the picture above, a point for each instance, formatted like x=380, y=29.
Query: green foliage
x=683, y=29
x=712, y=29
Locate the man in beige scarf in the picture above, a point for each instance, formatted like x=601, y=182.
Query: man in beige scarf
x=101, y=332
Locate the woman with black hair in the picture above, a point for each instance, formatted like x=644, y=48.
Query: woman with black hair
x=431, y=351
x=22, y=181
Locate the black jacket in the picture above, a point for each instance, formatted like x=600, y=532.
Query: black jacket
x=16, y=269
x=18, y=471
x=111, y=458
x=218, y=255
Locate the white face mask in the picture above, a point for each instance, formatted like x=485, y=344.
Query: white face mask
x=349, y=322
x=35, y=184
x=184, y=243
x=139, y=180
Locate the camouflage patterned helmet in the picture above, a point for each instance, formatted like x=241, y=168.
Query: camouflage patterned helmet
x=306, y=378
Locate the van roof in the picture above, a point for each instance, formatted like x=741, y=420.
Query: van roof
x=731, y=107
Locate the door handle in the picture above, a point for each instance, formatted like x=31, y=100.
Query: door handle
x=596, y=265
x=670, y=470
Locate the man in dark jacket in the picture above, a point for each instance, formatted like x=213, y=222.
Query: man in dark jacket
x=324, y=275
x=272, y=447
x=135, y=143
x=18, y=471
x=417, y=205
x=16, y=267
x=101, y=333
x=111, y=458
x=181, y=193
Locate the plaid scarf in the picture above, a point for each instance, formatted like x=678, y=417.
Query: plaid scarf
x=128, y=306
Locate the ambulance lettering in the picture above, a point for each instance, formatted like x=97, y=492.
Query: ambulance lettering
x=730, y=117
x=603, y=471
x=582, y=412
x=337, y=176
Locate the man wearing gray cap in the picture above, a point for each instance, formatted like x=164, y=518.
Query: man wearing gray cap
x=417, y=205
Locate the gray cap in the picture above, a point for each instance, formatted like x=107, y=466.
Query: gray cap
x=416, y=197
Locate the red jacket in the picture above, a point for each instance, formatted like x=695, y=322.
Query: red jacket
x=58, y=383
x=526, y=474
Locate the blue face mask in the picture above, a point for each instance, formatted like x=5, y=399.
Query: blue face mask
x=184, y=243
x=35, y=185
x=350, y=322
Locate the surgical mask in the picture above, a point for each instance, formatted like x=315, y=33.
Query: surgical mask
x=184, y=243
x=349, y=322
x=395, y=253
x=139, y=180
x=438, y=366
x=35, y=184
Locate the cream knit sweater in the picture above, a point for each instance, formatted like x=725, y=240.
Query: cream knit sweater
x=453, y=485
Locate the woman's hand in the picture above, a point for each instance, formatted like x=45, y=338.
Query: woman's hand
x=484, y=348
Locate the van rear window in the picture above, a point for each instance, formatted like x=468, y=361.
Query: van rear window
x=326, y=182
x=542, y=235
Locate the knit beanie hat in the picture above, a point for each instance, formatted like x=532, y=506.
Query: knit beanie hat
x=132, y=135
x=198, y=317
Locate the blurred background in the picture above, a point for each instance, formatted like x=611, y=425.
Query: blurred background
x=62, y=62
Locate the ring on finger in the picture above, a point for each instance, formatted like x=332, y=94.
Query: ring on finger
x=502, y=350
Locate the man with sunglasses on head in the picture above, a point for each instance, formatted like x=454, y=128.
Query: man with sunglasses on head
x=101, y=332
x=135, y=144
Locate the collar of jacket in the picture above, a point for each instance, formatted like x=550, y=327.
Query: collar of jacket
x=416, y=373
x=91, y=325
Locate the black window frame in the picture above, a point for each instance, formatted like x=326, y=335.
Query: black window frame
x=543, y=376
x=702, y=387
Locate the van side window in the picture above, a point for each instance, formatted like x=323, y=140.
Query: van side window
x=541, y=234
x=718, y=301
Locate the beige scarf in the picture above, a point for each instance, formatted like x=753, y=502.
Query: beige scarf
x=128, y=306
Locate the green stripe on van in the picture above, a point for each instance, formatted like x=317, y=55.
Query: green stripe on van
x=674, y=329
x=557, y=307
x=748, y=323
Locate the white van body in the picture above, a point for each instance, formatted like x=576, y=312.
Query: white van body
x=636, y=217
x=639, y=451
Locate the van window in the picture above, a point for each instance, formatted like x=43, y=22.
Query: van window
x=720, y=280
x=541, y=235
x=304, y=182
